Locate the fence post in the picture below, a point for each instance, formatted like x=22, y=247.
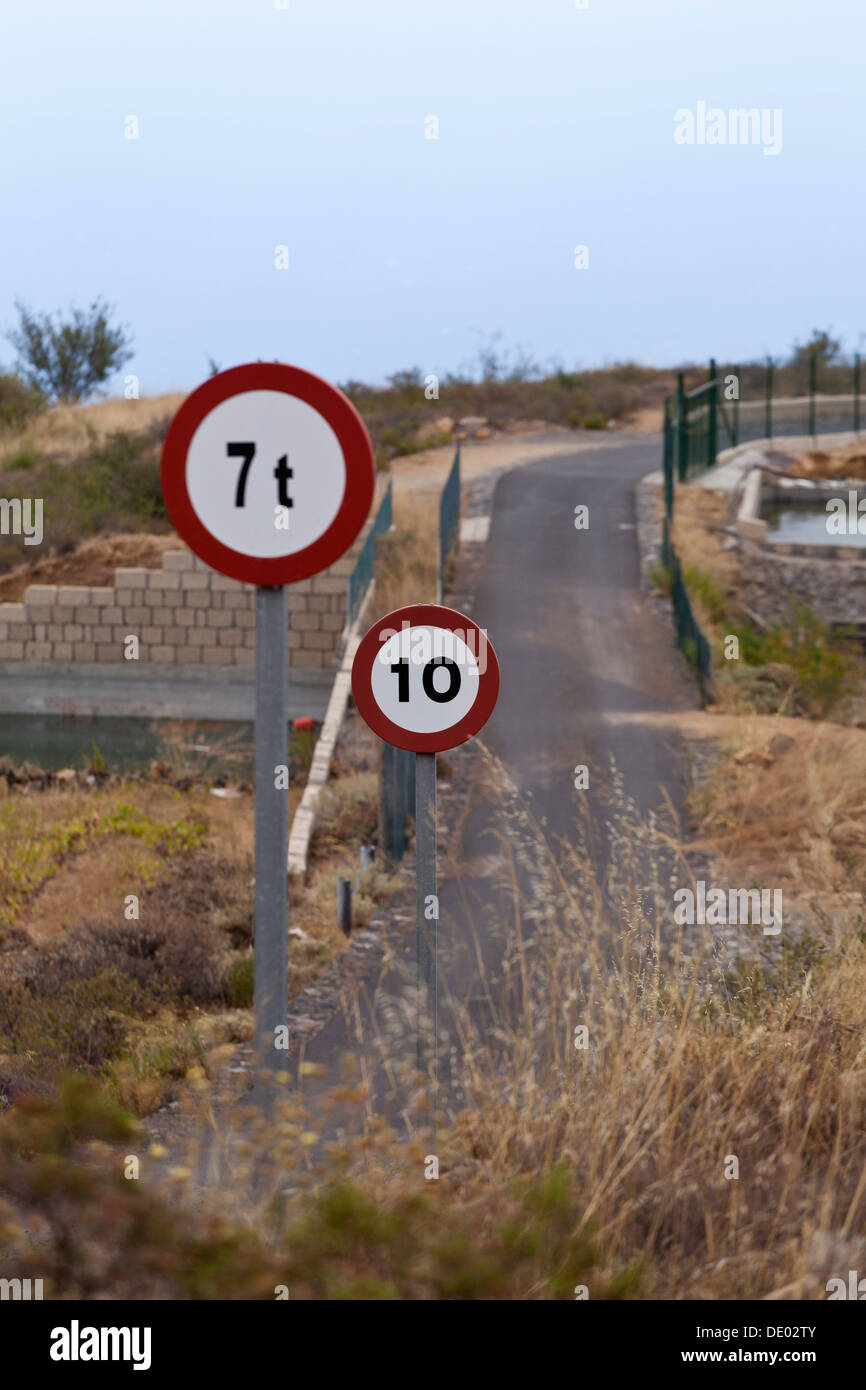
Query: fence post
x=768, y=401
x=682, y=460
x=449, y=518
x=712, y=414
x=736, y=410
x=856, y=393
x=668, y=457
x=813, y=378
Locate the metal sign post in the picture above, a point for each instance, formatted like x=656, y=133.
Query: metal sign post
x=271, y=962
x=425, y=678
x=427, y=922
x=268, y=474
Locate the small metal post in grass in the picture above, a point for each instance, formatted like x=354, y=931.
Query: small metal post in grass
x=344, y=905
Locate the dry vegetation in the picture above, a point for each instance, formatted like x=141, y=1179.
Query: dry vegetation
x=800, y=665
x=849, y=462
x=602, y=1166
x=136, y=1000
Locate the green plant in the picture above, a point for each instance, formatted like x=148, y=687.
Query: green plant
x=703, y=586
x=820, y=657
x=68, y=358
x=595, y=420
x=239, y=981
x=96, y=764
x=23, y=459
x=661, y=577
x=19, y=401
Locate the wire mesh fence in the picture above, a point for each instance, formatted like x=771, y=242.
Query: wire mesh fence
x=396, y=801
x=362, y=575
x=449, y=517
x=691, y=638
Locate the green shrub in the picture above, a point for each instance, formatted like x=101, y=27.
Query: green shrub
x=239, y=981
x=70, y=357
x=19, y=402
x=703, y=586
x=822, y=659
x=595, y=421
x=23, y=459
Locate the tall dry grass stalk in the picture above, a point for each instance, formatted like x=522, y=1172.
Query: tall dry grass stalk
x=701, y=1050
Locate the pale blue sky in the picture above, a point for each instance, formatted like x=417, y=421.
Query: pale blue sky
x=304, y=126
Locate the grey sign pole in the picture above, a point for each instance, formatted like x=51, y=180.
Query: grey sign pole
x=271, y=827
x=427, y=914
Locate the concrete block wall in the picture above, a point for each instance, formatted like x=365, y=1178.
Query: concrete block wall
x=183, y=613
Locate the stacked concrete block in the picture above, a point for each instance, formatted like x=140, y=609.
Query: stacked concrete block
x=181, y=614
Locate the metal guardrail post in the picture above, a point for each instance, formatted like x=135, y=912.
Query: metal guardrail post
x=813, y=381
x=736, y=410
x=856, y=393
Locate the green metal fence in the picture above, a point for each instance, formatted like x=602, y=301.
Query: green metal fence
x=760, y=401
x=731, y=407
x=362, y=574
x=691, y=639
x=396, y=801
x=449, y=517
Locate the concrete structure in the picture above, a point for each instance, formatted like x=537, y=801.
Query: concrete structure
x=64, y=648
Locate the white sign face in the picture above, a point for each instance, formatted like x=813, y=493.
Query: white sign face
x=265, y=473
x=425, y=679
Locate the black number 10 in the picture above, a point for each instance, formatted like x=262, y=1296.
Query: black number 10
x=400, y=669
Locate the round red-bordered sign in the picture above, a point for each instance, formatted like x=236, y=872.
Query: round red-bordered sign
x=268, y=473
x=394, y=678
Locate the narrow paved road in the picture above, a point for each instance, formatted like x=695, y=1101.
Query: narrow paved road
x=582, y=652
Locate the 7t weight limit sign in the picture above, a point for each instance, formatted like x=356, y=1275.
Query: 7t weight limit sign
x=268, y=473
x=251, y=448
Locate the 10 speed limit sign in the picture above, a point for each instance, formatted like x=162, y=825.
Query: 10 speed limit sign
x=425, y=678
x=268, y=473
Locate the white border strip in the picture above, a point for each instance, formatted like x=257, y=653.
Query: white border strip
x=301, y=830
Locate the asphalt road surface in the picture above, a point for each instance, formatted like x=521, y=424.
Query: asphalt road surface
x=583, y=654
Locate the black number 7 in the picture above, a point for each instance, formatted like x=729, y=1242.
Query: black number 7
x=247, y=453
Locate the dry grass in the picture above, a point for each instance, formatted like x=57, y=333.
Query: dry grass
x=65, y=432
x=703, y=549
x=92, y=562
x=602, y=1166
x=849, y=462
x=407, y=561
x=797, y=813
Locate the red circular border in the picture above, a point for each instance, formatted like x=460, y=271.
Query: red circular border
x=423, y=615
x=352, y=437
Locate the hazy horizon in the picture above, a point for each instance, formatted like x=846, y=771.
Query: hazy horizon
x=304, y=127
